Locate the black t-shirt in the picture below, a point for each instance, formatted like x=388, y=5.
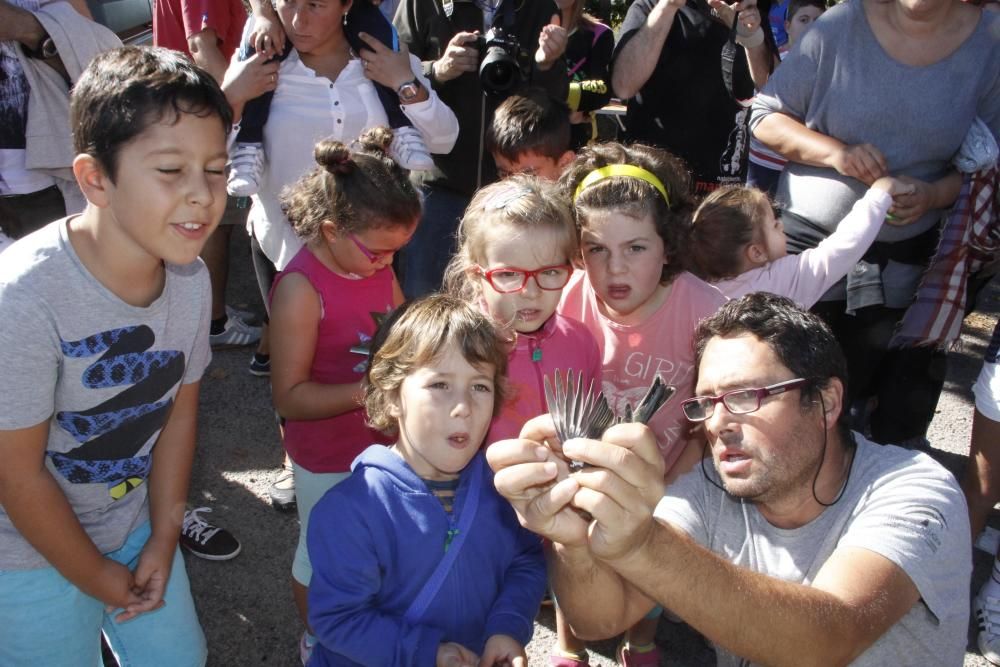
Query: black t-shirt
x=685, y=106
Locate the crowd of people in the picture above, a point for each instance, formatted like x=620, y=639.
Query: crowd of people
x=440, y=230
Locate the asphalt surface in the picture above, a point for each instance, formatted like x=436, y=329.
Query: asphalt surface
x=245, y=604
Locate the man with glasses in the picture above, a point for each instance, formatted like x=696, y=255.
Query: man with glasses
x=799, y=542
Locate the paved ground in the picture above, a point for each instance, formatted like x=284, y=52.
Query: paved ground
x=245, y=604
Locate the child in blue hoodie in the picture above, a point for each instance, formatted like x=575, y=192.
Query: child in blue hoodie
x=416, y=558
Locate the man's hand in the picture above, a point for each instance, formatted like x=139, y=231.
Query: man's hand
x=620, y=487
x=268, y=35
x=864, y=162
x=503, y=651
x=383, y=65
x=451, y=654
x=535, y=480
x=551, y=43
x=459, y=57
x=150, y=580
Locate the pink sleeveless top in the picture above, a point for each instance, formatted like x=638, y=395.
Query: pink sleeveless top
x=345, y=328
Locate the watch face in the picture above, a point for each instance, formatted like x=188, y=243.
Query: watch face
x=408, y=91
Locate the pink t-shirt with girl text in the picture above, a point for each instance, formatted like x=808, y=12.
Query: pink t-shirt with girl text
x=632, y=355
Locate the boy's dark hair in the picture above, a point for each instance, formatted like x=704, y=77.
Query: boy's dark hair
x=530, y=121
x=415, y=334
x=125, y=90
x=726, y=221
x=801, y=340
x=795, y=5
x=354, y=189
x=635, y=197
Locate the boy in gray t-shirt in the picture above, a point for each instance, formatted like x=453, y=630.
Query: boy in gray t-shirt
x=104, y=341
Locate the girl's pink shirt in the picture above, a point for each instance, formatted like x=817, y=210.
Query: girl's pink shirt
x=631, y=356
x=346, y=326
x=561, y=344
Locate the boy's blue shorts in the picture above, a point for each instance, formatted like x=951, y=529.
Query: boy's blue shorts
x=46, y=620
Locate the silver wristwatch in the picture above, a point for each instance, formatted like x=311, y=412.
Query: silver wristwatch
x=408, y=91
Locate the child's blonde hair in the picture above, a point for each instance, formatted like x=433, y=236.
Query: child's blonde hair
x=726, y=222
x=355, y=189
x=523, y=203
x=670, y=210
x=414, y=335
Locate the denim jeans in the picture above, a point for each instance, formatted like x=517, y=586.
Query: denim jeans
x=427, y=254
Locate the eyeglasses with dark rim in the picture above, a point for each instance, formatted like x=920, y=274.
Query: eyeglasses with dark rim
x=373, y=257
x=737, y=401
x=509, y=279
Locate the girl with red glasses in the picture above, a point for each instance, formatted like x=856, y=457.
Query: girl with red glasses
x=516, y=244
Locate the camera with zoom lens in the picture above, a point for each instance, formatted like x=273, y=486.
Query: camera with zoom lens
x=499, y=71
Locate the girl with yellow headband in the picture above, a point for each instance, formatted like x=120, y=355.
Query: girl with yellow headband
x=633, y=207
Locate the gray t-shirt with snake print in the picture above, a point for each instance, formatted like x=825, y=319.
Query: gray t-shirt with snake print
x=102, y=373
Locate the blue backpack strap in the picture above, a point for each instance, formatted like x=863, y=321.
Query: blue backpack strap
x=423, y=600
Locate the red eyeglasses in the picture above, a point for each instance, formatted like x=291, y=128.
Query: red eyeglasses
x=373, y=257
x=509, y=279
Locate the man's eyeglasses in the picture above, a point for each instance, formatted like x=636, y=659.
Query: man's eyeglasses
x=737, y=401
x=509, y=279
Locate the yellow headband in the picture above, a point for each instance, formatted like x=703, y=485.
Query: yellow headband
x=628, y=170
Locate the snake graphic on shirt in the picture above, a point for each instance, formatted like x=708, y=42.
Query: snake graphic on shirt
x=112, y=433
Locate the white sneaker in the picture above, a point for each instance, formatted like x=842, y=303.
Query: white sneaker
x=987, y=611
x=409, y=150
x=237, y=333
x=246, y=166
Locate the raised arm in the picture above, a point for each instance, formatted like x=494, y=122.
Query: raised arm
x=643, y=37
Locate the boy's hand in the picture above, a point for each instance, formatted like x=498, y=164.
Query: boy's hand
x=503, y=651
x=383, y=65
x=551, y=43
x=451, y=654
x=268, y=36
x=151, y=576
x=460, y=56
x=115, y=586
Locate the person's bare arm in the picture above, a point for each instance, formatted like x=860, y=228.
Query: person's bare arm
x=268, y=37
x=856, y=596
x=295, y=316
x=791, y=138
x=205, y=52
x=20, y=25
x=40, y=512
x=636, y=61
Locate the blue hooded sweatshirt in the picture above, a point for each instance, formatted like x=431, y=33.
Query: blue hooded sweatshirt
x=376, y=538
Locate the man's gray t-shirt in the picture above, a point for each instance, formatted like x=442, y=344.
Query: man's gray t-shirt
x=103, y=373
x=900, y=504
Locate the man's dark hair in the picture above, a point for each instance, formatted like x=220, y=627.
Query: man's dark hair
x=529, y=121
x=125, y=90
x=801, y=340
